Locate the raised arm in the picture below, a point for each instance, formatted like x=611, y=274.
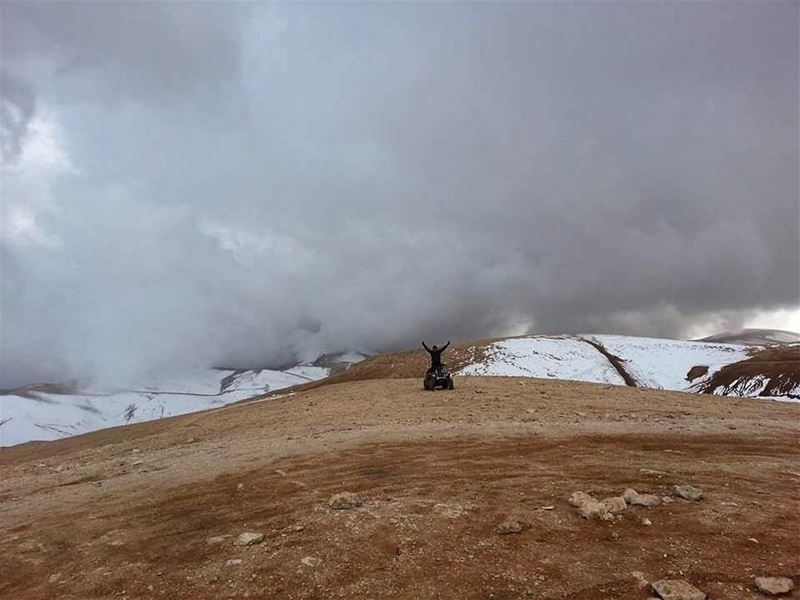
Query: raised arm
x=443, y=348
x=426, y=347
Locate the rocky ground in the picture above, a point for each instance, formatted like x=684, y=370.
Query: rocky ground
x=463, y=494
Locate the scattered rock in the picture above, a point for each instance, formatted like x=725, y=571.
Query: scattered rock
x=589, y=508
x=54, y=578
x=240, y=486
x=652, y=472
x=451, y=511
x=507, y=527
x=248, y=539
x=752, y=540
x=666, y=499
x=677, y=589
x=217, y=539
x=345, y=500
x=615, y=504
x=688, y=492
x=647, y=522
x=635, y=498
x=579, y=498
x=641, y=578
x=547, y=507
x=774, y=586
x=233, y=561
x=311, y=561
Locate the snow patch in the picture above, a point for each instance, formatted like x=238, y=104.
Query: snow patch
x=546, y=358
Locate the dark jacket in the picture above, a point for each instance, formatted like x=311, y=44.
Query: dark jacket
x=436, y=355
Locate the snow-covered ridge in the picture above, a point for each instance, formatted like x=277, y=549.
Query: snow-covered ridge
x=649, y=362
x=44, y=413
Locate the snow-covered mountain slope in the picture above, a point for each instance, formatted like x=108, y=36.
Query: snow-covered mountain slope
x=665, y=364
x=557, y=357
x=643, y=362
x=772, y=372
x=48, y=412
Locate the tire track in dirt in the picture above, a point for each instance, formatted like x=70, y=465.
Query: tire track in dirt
x=615, y=361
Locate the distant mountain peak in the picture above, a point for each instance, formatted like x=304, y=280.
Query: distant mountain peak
x=754, y=337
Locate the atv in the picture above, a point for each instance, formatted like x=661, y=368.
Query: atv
x=438, y=377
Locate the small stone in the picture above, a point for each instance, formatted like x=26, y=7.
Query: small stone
x=635, y=498
x=548, y=507
x=345, y=501
x=54, y=578
x=217, y=539
x=311, y=561
x=240, y=486
x=677, y=589
x=248, y=539
x=688, y=492
x=507, y=527
x=615, y=504
x=774, y=586
x=666, y=499
x=136, y=463
x=589, y=508
x=233, y=561
x=451, y=511
x=752, y=540
x=641, y=578
x=647, y=522
x=579, y=498
x=594, y=510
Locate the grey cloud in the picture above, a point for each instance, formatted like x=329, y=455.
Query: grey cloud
x=263, y=182
x=17, y=107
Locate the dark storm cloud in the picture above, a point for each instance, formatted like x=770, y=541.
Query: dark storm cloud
x=255, y=183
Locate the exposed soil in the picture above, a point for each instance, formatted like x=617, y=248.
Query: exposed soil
x=780, y=364
x=697, y=372
x=127, y=512
x=615, y=361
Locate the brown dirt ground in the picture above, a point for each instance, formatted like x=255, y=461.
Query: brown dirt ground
x=126, y=512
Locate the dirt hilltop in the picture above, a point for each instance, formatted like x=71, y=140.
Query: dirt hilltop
x=153, y=510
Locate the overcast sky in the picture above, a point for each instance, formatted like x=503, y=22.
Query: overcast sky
x=195, y=184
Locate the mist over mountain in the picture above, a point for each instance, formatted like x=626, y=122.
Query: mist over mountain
x=187, y=185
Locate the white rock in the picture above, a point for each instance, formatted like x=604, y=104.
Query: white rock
x=217, y=539
x=589, y=508
x=677, y=589
x=641, y=578
x=615, y=504
x=311, y=561
x=579, y=498
x=233, y=561
x=774, y=586
x=688, y=492
x=635, y=498
x=647, y=522
x=345, y=500
x=507, y=527
x=248, y=539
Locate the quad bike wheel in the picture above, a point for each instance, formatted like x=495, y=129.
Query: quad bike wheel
x=429, y=383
